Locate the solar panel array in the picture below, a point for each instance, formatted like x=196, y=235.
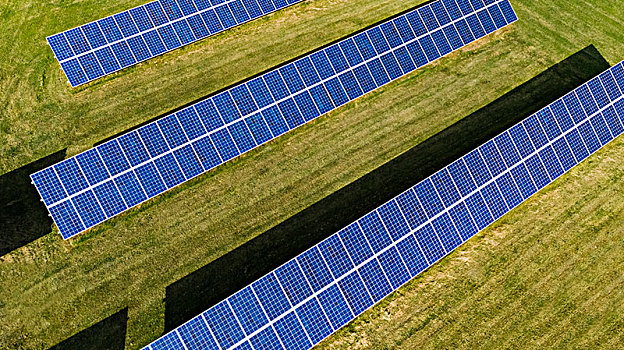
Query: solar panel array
x=110, y=44
x=310, y=297
x=98, y=184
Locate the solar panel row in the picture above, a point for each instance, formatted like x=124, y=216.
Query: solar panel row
x=310, y=297
x=98, y=184
x=110, y=44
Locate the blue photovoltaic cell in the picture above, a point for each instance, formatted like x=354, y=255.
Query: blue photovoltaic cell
x=293, y=282
x=509, y=190
x=429, y=198
x=610, y=85
x=177, y=22
x=66, y=219
x=461, y=177
x=440, y=40
x=71, y=176
x=292, y=78
x=224, y=325
x=221, y=127
x=109, y=198
x=463, y=221
x=170, y=341
x=601, y=129
x=587, y=101
x=375, y=280
x=446, y=231
x=445, y=187
x=589, y=137
x=377, y=39
x=188, y=161
x=266, y=340
x=536, y=134
x=486, y=21
x=169, y=170
x=225, y=16
x=134, y=148
x=196, y=335
x=453, y=37
x=493, y=158
x=464, y=31
x=271, y=296
x=577, y=145
x=248, y=310
x=394, y=267
x=452, y=9
x=355, y=293
x=329, y=285
x=412, y=254
x=611, y=119
x=549, y=123
x=494, y=200
x=479, y=210
x=564, y=120
x=550, y=161
x=314, y=321
x=475, y=26
x=91, y=66
x=430, y=243
x=416, y=22
x=440, y=12
x=378, y=72
x=335, y=307
x=107, y=60
x=430, y=48
x=411, y=209
x=259, y=128
x=315, y=269
x=564, y=153
x=242, y=136
x=393, y=220
x=130, y=189
x=537, y=171
x=60, y=46
x=375, y=232
x=355, y=243
x=244, y=346
x=478, y=169
x=150, y=179
x=88, y=208
x=521, y=140
x=92, y=167
x=291, y=333
x=141, y=18
x=336, y=256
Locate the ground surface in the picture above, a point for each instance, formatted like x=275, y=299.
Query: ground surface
x=548, y=274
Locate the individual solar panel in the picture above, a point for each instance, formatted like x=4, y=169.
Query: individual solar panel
x=359, y=280
x=234, y=121
x=102, y=47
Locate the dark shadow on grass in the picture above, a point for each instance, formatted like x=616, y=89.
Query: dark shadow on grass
x=23, y=216
x=221, y=278
x=108, y=334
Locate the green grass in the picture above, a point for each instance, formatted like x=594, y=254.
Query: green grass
x=546, y=275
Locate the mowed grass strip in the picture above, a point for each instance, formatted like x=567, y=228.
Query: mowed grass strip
x=51, y=289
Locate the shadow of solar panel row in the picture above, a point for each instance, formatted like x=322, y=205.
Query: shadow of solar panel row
x=91, y=187
x=105, y=46
x=310, y=297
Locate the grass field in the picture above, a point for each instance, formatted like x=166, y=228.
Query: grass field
x=548, y=274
